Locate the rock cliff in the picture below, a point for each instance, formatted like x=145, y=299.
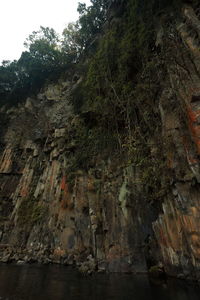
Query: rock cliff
x=107, y=217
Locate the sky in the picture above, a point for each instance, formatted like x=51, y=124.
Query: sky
x=19, y=18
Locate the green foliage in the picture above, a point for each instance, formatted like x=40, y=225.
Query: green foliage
x=47, y=56
x=113, y=89
x=45, y=59
x=121, y=52
x=8, y=79
x=116, y=99
x=45, y=34
x=71, y=41
x=91, y=19
x=30, y=212
x=113, y=71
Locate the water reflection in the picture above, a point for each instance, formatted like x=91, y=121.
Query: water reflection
x=58, y=282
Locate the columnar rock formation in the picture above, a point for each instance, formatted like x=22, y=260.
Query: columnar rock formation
x=49, y=214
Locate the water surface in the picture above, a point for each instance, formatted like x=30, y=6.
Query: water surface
x=54, y=282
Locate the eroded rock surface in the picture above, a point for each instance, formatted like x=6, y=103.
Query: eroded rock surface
x=105, y=217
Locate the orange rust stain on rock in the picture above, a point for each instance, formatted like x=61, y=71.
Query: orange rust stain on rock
x=194, y=128
x=24, y=192
x=66, y=199
x=171, y=230
x=162, y=237
x=191, y=223
x=194, y=211
x=59, y=253
x=64, y=187
x=191, y=159
x=63, y=184
x=193, y=115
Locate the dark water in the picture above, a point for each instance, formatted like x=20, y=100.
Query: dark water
x=58, y=282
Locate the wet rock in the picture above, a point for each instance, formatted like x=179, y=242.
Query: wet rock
x=69, y=260
x=6, y=258
x=21, y=262
x=47, y=261
x=157, y=271
x=88, y=267
x=102, y=266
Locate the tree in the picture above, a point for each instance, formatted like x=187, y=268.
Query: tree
x=47, y=56
x=71, y=43
x=8, y=79
x=43, y=60
x=91, y=19
x=44, y=49
x=44, y=34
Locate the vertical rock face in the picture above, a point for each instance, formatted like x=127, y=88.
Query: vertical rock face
x=43, y=218
x=50, y=214
x=177, y=228
x=45, y=215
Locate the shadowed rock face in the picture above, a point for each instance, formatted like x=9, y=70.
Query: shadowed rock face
x=105, y=213
x=177, y=228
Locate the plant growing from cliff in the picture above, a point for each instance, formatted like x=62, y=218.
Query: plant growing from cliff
x=116, y=99
x=48, y=56
x=71, y=42
x=114, y=71
x=44, y=60
x=91, y=20
x=8, y=79
x=30, y=212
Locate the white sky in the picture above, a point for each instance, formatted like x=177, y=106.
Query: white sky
x=20, y=17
